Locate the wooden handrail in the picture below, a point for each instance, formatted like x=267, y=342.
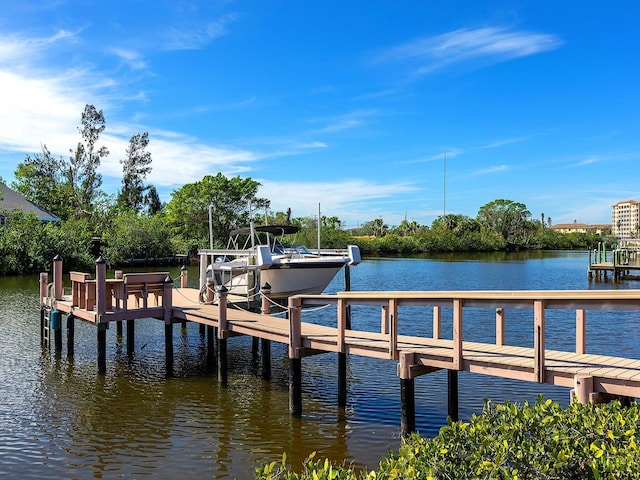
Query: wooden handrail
x=538, y=301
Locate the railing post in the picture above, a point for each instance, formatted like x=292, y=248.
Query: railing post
x=295, y=362
x=342, y=324
x=384, y=320
x=581, y=339
x=184, y=276
x=295, y=327
x=500, y=326
x=437, y=322
x=58, y=285
x=539, y=340
x=167, y=299
x=393, y=327
x=457, y=334
x=101, y=287
x=266, y=299
x=222, y=335
x=44, y=281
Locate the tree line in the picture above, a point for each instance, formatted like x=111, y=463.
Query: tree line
x=134, y=224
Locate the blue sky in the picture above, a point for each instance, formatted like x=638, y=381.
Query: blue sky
x=347, y=104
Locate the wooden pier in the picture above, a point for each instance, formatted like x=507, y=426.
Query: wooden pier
x=591, y=377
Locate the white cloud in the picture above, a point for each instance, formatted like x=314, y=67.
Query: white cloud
x=335, y=198
x=490, y=45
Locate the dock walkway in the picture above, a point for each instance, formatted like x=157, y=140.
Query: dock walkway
x=591, y=377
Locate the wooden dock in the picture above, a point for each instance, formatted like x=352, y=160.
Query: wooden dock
x=591, y=377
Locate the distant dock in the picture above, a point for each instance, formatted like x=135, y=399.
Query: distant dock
x=620, y=263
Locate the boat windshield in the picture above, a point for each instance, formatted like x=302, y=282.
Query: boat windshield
x=284, y=249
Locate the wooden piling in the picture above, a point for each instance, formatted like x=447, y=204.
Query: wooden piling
x=131, y=333
x=168, y=347
x=102, y=347
x=266, y=358
x=407, y=406
x=222, y=335
x=70, y=335
x=452, y=394
x=211, y=352
x=342, y=380
x=57, y=335
x=295, y=386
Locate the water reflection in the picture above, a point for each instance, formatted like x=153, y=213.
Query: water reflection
x=59, y=418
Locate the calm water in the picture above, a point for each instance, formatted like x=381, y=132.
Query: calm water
x=59, y=418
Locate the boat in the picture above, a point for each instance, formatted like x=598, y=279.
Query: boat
x=256, y=257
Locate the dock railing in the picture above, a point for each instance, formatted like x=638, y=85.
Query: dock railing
x=537, y=301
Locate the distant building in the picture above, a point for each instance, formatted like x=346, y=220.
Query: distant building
x=11, y=200
x=625, y=219
x=575, y=227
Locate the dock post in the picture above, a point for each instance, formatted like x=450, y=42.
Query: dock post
x=342, y=380
x=44, y=281
x=295, y=386
x=265, y=309
x=58, y=284
x=266, y=359
x=211, y=352
x=184, y=282
x=70, y=335
x=295, y=362
x=407, y=406
x=131, y=333
x=56, y=321
x=452, y=394
x=222, y=335
x=102, y=348
x=168, y=347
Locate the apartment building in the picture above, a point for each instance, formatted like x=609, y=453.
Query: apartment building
x=625, y=219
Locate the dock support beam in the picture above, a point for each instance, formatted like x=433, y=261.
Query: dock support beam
x=407, y=406
x=295, y=386
x=102, y=348
x=452, y=397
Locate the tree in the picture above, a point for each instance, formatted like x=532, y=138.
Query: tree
x=40, y=178
x=508, y=218
x=82, y=174
x=135, y=168
x=187, y=211
x=152, y=201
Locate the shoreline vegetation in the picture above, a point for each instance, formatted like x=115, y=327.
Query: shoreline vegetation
x=135, y=224
x=173, y=234
x=506, y=441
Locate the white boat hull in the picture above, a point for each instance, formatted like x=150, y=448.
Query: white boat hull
x=286, y=280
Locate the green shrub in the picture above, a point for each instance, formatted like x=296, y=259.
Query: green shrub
x=539, y=441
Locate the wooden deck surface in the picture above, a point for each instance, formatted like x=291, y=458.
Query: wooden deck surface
x=613, y=375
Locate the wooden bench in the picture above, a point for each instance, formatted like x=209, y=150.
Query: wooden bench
x=83, y=290
x=141, y=286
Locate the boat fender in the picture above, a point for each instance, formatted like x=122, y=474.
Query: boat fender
x=264, y=256
x=354, y=255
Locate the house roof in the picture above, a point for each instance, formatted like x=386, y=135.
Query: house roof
x=12, y=200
